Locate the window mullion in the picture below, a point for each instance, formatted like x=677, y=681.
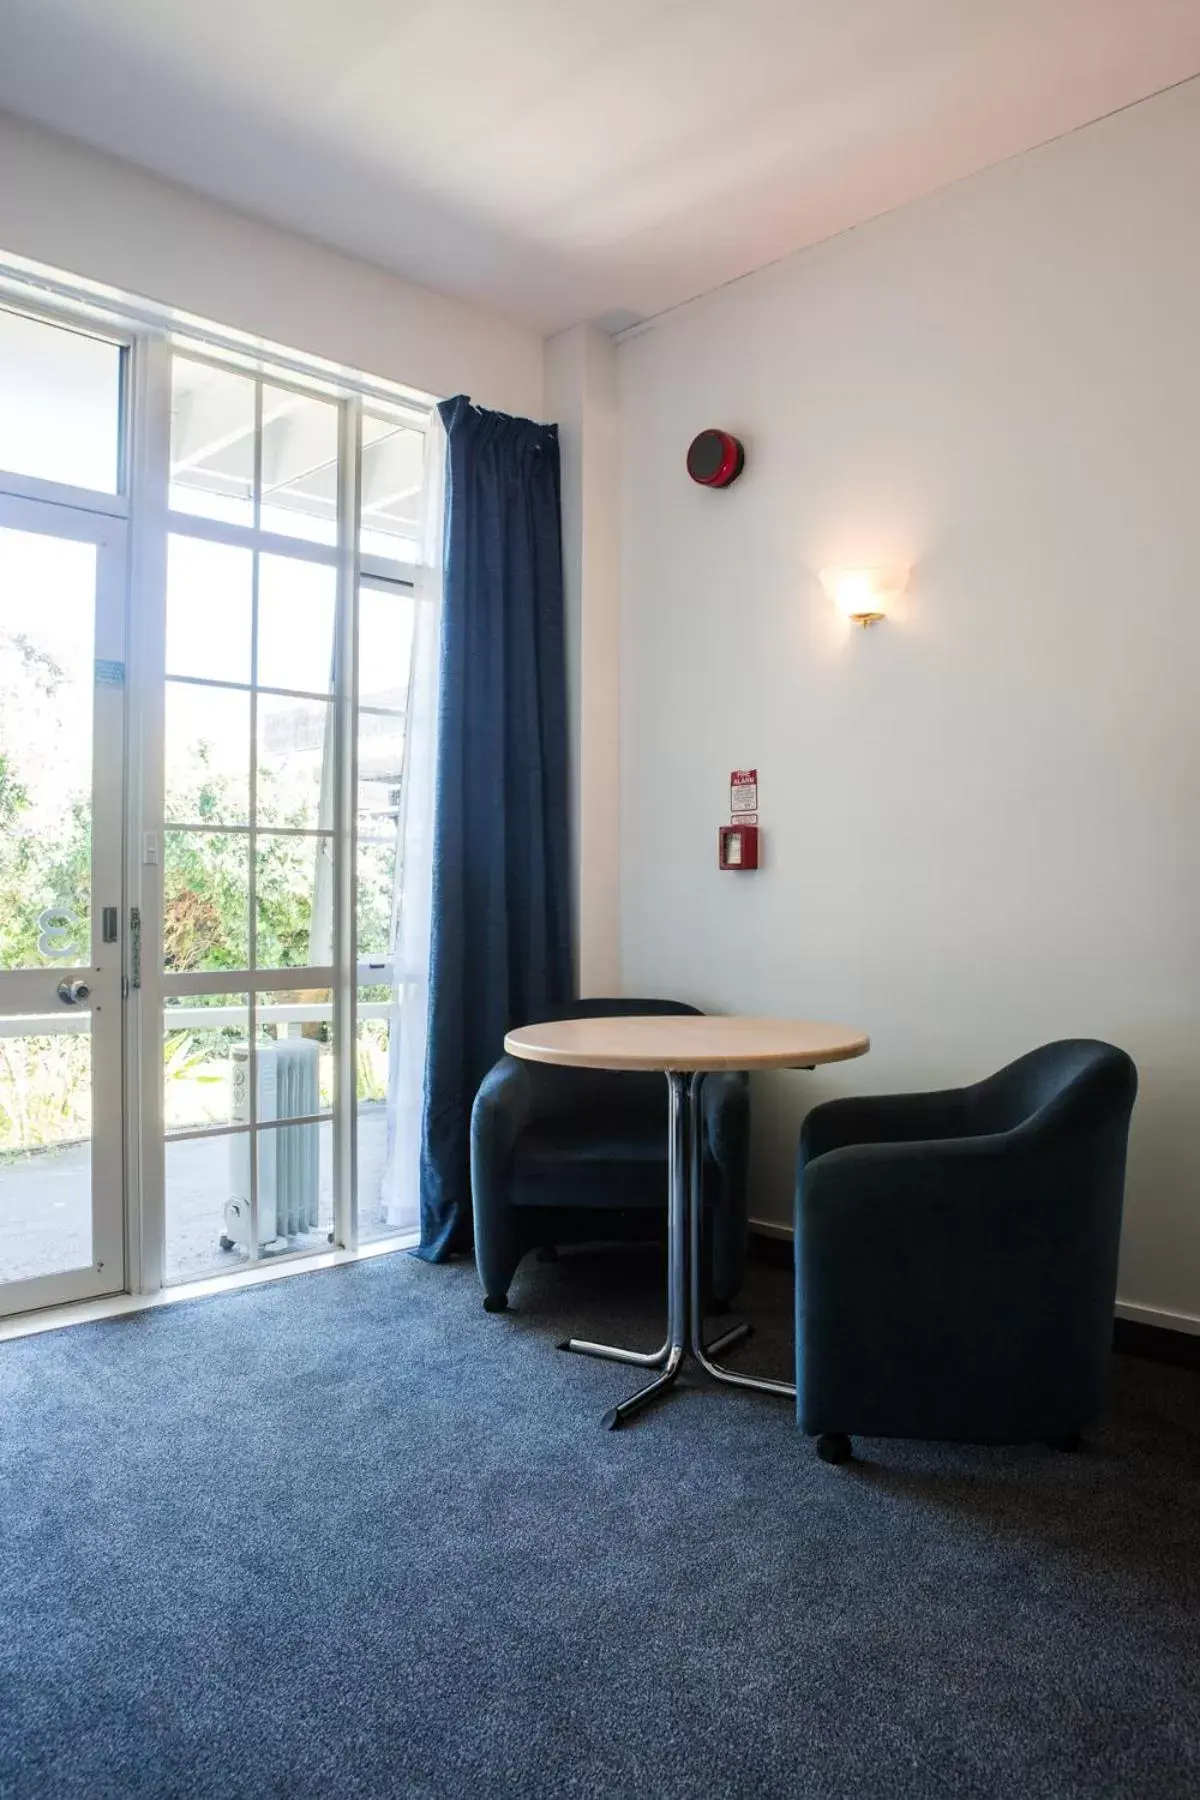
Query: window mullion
x=252, y=870
x=345, y=997
x=148, y=413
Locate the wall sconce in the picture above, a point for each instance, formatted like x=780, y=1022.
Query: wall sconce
x=864, y=595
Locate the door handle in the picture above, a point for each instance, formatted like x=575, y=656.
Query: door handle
x=72, y=992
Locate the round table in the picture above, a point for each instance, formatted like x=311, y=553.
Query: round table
x=685, y=1047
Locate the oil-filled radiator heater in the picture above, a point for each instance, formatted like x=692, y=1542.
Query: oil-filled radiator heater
x=288, y=1158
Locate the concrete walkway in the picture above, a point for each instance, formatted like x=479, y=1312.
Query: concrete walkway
x=45, y=1211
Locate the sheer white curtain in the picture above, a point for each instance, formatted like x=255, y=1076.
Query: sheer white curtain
x=401, y=1184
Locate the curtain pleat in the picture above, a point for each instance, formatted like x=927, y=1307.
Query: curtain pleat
x=500, y=940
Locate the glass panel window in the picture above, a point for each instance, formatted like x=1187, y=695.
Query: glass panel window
x=386, y=622
x=202, y=1035
x=296, y=608
x=299, y=465
x=393, y=469
x=297, y=1016
x=45, y=1145
x=209, y=1179
x=380, y=773
x=295, y=765
x=386, y=1204
x=207, y=755
x=203, y=1187
x=294, y=901
x=295, y=1186
x=206, y=900
x=60, y=404
x=375, y=890
x=209, y=598
x=249, y=851
x=212, y=442
x=47, y=637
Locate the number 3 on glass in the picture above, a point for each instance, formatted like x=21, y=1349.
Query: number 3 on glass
x=58, y=930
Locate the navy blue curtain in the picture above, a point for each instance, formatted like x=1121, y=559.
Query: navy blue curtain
x=500, y=950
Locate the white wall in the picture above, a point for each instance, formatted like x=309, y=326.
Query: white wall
x=982, y=818
x=64, y=204
x=581, y=394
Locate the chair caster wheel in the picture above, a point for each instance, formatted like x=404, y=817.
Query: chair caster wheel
x=495, y=1303
x=548, y=1253
x=1070, y=1442
x=226, y=1243
x=834, y=1447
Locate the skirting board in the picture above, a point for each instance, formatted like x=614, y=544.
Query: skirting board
x=1140, y=1330
x=1158, y=1316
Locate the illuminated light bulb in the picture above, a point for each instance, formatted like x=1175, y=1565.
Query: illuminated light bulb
x=864, y=595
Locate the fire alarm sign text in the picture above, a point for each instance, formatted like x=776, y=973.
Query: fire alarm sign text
x=743, y=791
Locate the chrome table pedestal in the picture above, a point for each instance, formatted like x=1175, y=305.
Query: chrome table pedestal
x=685, y=1319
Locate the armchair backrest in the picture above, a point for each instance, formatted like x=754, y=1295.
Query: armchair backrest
x=1068, y=1087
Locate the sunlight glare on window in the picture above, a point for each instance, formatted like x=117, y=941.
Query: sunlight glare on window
x=393, y=471
x=299, y=465
x=212, y=442
x=60, y=404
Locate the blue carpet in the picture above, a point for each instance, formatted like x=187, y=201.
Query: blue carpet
x=344, y=1535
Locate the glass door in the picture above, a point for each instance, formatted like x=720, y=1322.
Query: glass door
x=62, y=670
x=202, y=851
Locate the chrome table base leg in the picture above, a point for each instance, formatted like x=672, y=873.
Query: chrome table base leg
x=705, y=1355
x=625, y=1410
x=644, y=1359
x=685, y=1320
x=737, y=1334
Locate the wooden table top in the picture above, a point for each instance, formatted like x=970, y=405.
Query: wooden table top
x=686, y=1042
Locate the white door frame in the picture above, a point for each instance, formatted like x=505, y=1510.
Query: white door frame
x=32, y=991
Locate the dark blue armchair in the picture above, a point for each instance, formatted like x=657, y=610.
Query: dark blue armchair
x=956, y=1254
x=562, y=1156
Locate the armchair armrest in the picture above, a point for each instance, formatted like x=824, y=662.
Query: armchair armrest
x=503, y=1107
x=889, y=1233
x=510, y=1096
x=930, y=1273
x=885, y=1230
x=883, y=1119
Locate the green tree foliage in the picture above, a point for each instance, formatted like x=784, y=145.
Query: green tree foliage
x=45, y=1085
x=45, y=862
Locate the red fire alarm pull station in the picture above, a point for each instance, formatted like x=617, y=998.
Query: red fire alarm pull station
x=737, y=842
x=738, y=846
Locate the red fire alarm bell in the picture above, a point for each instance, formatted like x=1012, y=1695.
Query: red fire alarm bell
x=715, y=459
x=738, y=846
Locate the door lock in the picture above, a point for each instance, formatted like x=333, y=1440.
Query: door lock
x=72, y=992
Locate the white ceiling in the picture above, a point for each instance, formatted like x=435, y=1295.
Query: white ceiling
x=560, y=160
